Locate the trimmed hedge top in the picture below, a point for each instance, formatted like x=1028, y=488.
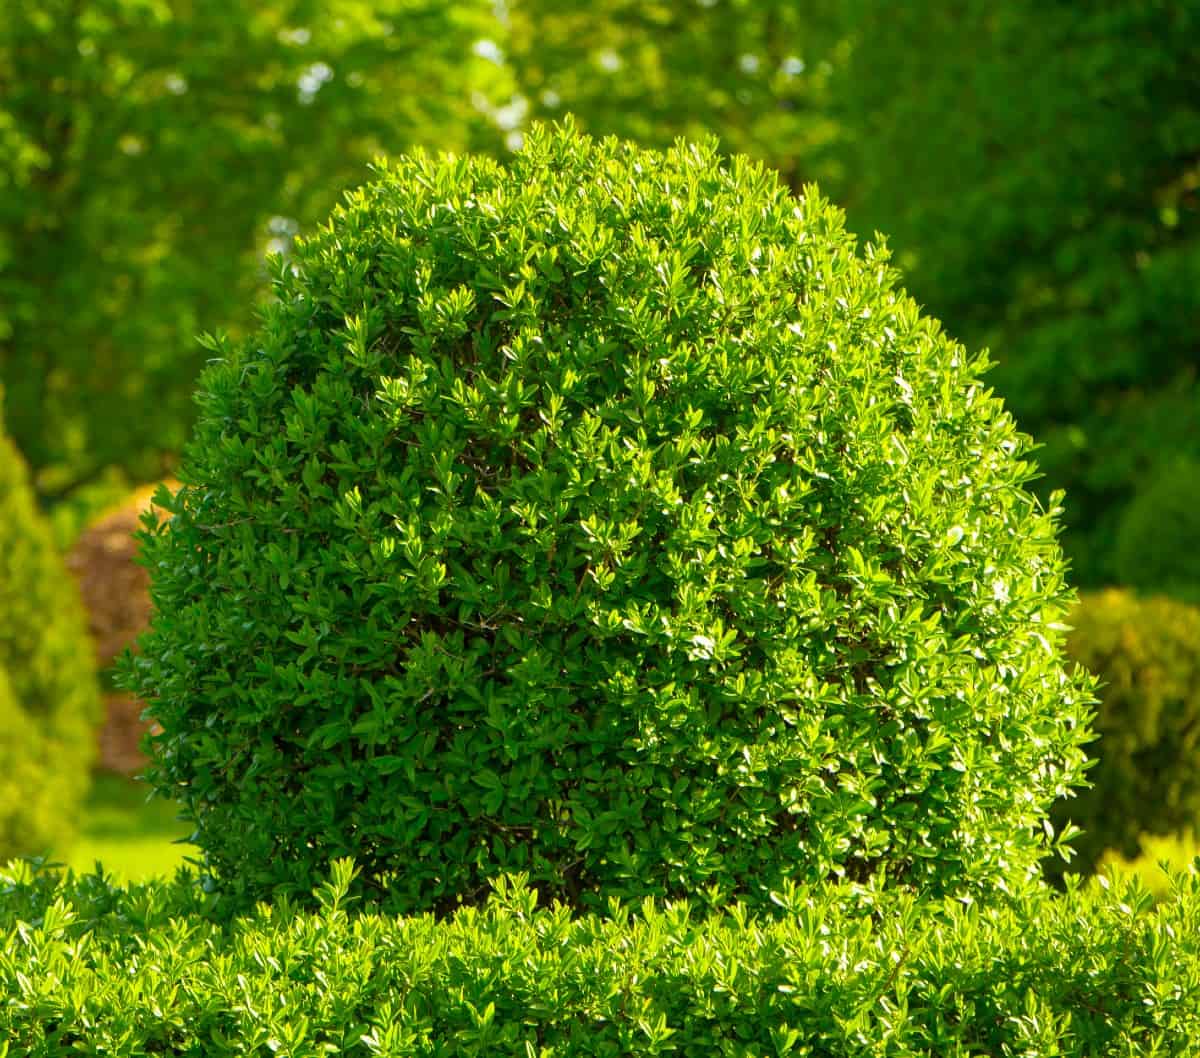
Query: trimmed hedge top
x=851, y=973
x=610, y=518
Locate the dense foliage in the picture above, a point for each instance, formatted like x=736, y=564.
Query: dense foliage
x=49, y=704
x=1146, y=779
x=849, y=972
x=1039, y=165
x=148, y=153
x=613, y=519
x=605, y=516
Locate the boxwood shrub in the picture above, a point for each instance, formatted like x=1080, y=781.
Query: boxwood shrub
x=612, y=517
x=848, y=971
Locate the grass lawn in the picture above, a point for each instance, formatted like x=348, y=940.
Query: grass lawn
x=132, y=839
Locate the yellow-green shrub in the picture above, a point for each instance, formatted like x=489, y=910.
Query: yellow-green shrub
x=848, y=971
x=49, y=702
x=1146, y=778
x=25, y=817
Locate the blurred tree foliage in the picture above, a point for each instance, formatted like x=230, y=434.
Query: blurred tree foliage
x=150, y=150
x=1146, y=780
x=1157, y=548
x=1037, y=167
x=49, y=701
x=753, y=72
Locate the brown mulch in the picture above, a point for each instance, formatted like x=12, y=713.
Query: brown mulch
x=115, y=592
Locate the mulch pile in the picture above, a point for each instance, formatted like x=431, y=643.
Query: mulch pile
x=116, y=596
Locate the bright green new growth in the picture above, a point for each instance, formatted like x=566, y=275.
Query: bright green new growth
x=49, y=701
x=605, y=517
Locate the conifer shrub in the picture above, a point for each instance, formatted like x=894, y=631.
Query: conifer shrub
x=608, y=517
x=1158, y=538
x=49, y=703
x=28, y=818
x=1146, y=775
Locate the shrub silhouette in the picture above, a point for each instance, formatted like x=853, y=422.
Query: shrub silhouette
x=606, y=517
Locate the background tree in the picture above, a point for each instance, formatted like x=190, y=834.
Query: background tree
x=149, y=150
x=753, y=72
x=1037, y=167
x=1145, y=780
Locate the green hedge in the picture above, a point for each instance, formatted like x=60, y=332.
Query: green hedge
x=95, y=969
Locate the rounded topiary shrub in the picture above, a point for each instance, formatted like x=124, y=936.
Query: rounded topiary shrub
x=604, y=516
x=1158, y=539
x=1146, y=778
x=49, y=702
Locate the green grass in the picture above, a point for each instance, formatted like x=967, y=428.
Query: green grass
x=130, y=838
